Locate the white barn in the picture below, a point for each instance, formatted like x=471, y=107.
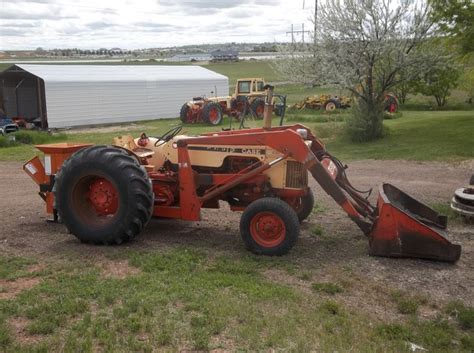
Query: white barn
x=77, y=95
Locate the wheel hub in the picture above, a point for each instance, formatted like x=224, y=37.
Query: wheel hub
x=267, y=229
x=103, y=196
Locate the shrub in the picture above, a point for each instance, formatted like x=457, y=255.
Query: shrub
x=30, y=138
x=366, y=121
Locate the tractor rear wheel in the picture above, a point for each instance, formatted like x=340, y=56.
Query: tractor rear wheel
x=331, y=105
x=269, y=226
x=186, y=114
x=258, y=107
x=391, y=103
x=103, y=195
x=212, y=113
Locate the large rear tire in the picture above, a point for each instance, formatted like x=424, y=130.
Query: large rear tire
x=212, y=114
x=103, y=195
x=258, y=107
x=269, y=226
x=332, y=105
x=185, y=114
x=391, y=103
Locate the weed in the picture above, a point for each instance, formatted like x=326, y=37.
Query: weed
x=5, y=337
x=407, y=304
x=327, y=287
x=305, y=276
x=317, y=231
x=463, y=314
x=394, y=331
x=444, y=208
x=318, y=208
x=331, y=307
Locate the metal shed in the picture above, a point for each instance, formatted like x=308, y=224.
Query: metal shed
x=77, y=95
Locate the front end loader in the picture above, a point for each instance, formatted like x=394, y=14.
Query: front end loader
x=107, y=194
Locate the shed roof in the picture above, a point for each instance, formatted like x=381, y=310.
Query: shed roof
x=119, y=73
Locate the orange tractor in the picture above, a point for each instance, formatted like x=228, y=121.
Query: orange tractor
x=108, y=194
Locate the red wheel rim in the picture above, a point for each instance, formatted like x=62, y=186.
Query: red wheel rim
x=214, y=115
x=103, y=196
x=267, y=229
x=240, y=106
x=95, y=199
x=259, y=110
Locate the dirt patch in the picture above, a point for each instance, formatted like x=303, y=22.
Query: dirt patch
x=282, y=277
x=10, y=289
x=118, y=269
x=18, y=325
x=25, y=232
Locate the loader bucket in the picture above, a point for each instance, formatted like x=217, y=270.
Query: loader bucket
x=407, y=228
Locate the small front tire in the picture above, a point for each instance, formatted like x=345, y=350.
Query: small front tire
x=269, y=226
x=212, y=113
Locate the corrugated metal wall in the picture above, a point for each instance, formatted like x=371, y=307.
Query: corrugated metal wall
x=88, y=103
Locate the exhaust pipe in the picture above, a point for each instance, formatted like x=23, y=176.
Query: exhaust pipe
x=268, y=109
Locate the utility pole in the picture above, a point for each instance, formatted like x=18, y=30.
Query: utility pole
x=293, y=32
x=315, y=19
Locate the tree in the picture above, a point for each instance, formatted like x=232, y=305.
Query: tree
x=362, y=46
x=456, y=18
x=438, y=83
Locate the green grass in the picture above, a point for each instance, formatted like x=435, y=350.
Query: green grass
x=14, y=267
x=421, y=136
x=327, y=288
x=406, y=303
x=186, y=299
x=244, y=69
x=444, y=208
x=463, y=314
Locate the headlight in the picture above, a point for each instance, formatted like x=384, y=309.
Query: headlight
x=303, y=133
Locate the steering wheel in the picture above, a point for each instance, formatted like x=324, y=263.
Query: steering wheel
x=168, y=135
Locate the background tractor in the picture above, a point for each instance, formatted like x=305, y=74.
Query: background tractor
x=108, y=194
x=248, y=91
x=330, y=103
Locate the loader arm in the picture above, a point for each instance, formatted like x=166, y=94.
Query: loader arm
x=288, y=140
x=398, y=226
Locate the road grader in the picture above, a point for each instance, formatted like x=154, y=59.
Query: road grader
x=211, y=110
x=106, y=194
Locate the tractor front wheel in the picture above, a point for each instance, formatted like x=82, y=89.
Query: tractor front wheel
x=212, y=113
x=103, y=195
x=186, y=114
x=269, y=226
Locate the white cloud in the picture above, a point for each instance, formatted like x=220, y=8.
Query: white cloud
x=147, y=23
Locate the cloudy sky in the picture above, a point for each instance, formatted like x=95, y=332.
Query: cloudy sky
x=146, y=23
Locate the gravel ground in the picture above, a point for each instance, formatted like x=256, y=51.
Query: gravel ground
x=25, y=232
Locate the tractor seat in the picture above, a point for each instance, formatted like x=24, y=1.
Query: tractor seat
x=128, y=143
